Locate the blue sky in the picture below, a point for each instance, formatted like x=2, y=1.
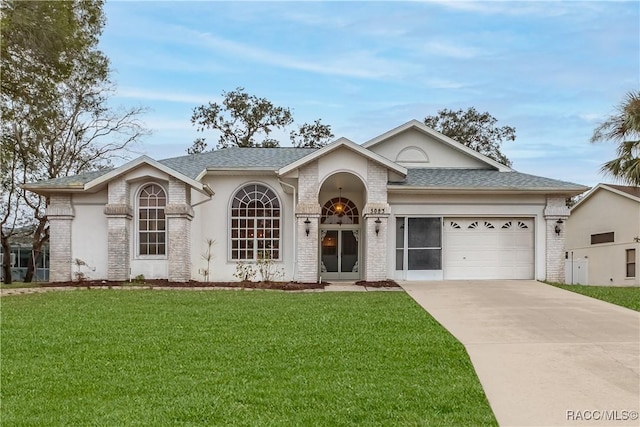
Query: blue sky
x=553, y=70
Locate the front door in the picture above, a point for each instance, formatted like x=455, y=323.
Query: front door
x=339, y=254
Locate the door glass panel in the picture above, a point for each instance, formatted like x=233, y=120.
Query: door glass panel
x=349, y=258
x=424, y=233
x=330, y=251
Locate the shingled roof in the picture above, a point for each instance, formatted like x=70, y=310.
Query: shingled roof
x=482, y=179
x=268, y=159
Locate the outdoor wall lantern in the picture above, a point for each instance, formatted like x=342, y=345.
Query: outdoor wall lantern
x=558, y=229
x=378, y=222
x=307, y=225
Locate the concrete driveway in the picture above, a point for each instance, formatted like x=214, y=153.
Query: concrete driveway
x=544, y=356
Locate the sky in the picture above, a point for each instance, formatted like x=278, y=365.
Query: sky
x=553, y=70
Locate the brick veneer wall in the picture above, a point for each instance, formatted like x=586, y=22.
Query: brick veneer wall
x=555, y=210
x=375, y=251
x=60, y=214
x=119, y=213
x=179, y=215
x=308, y=207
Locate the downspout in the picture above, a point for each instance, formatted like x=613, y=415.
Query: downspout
x=294, y=228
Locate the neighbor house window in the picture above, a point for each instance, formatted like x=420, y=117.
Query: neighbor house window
x=602, y=238
x=152, y=225
x=631, y=263
x=255, y=223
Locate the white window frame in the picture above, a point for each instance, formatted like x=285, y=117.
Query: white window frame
x=255, y=238
x=137, y=224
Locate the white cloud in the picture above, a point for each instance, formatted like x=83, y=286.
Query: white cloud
x=360, y=64
x=452, y=50
x=159, y=95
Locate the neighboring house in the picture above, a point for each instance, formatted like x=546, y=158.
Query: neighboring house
x=603, y=236
x=410, y=204
x=20, y=253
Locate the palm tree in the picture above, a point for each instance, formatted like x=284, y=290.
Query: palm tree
x=624, y=129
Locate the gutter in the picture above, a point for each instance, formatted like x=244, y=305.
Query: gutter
x=294, y=228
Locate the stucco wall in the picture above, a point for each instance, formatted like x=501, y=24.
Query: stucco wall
x=605, y=212
x=211, y=221
x=89, y=234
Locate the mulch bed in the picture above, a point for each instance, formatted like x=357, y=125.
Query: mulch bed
x=378, y=284
x=285, y=286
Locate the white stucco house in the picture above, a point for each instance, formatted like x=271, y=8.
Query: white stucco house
x=603, y=237
x=410, y=204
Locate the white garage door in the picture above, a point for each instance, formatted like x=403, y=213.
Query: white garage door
x=488, y=248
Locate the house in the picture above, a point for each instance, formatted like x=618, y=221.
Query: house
x=603, y=237
x=20, y=253
x=410, y=204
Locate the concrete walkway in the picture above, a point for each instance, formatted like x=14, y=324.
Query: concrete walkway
x=544, y=356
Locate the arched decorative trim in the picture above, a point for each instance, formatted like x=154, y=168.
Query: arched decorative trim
x=151, y=221
x=412, y=154
x=255, y=223
x=339, y=210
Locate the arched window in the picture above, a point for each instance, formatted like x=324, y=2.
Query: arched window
x=255, y=223
x=339, y=211
x=152, y=225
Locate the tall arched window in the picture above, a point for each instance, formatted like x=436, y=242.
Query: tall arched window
x=339, y=211
x=152, y=225
x=255, y=223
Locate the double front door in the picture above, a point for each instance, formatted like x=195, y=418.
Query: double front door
x=339, y=253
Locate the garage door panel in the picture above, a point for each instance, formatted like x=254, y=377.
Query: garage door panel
x=488, y=248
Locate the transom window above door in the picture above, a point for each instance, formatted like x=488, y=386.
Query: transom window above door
x=255, y=223
x=339, y=210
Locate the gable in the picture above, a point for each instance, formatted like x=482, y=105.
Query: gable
x=604, y=211
x=415, y=149
x=347, y=148
x=415, y=145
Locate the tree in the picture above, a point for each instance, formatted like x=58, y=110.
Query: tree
x=55, y=119
x=475, y=130
x=245, y=120
x=314, y=135
x=623, y=128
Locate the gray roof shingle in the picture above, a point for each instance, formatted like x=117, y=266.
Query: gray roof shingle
x=275, y=158
x=237, y=158
x=482, y=179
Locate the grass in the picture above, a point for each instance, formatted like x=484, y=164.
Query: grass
x=625, y=296
x=100, y=357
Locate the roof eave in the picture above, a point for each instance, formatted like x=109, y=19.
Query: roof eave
x=48, y=189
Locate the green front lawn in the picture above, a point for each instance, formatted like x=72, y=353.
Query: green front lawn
x=114, y=357
x=625, y=296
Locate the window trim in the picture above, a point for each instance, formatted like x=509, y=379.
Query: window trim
x=602, y=238
x=138, y=255
x=405, y=241
x=255, y=249
x=630, y=263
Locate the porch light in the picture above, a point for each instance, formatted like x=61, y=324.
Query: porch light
x=558, y=224
x=339, y=207
x=378, y=222
x=307, y=225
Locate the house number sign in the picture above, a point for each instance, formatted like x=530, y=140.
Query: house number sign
x=377, y=211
